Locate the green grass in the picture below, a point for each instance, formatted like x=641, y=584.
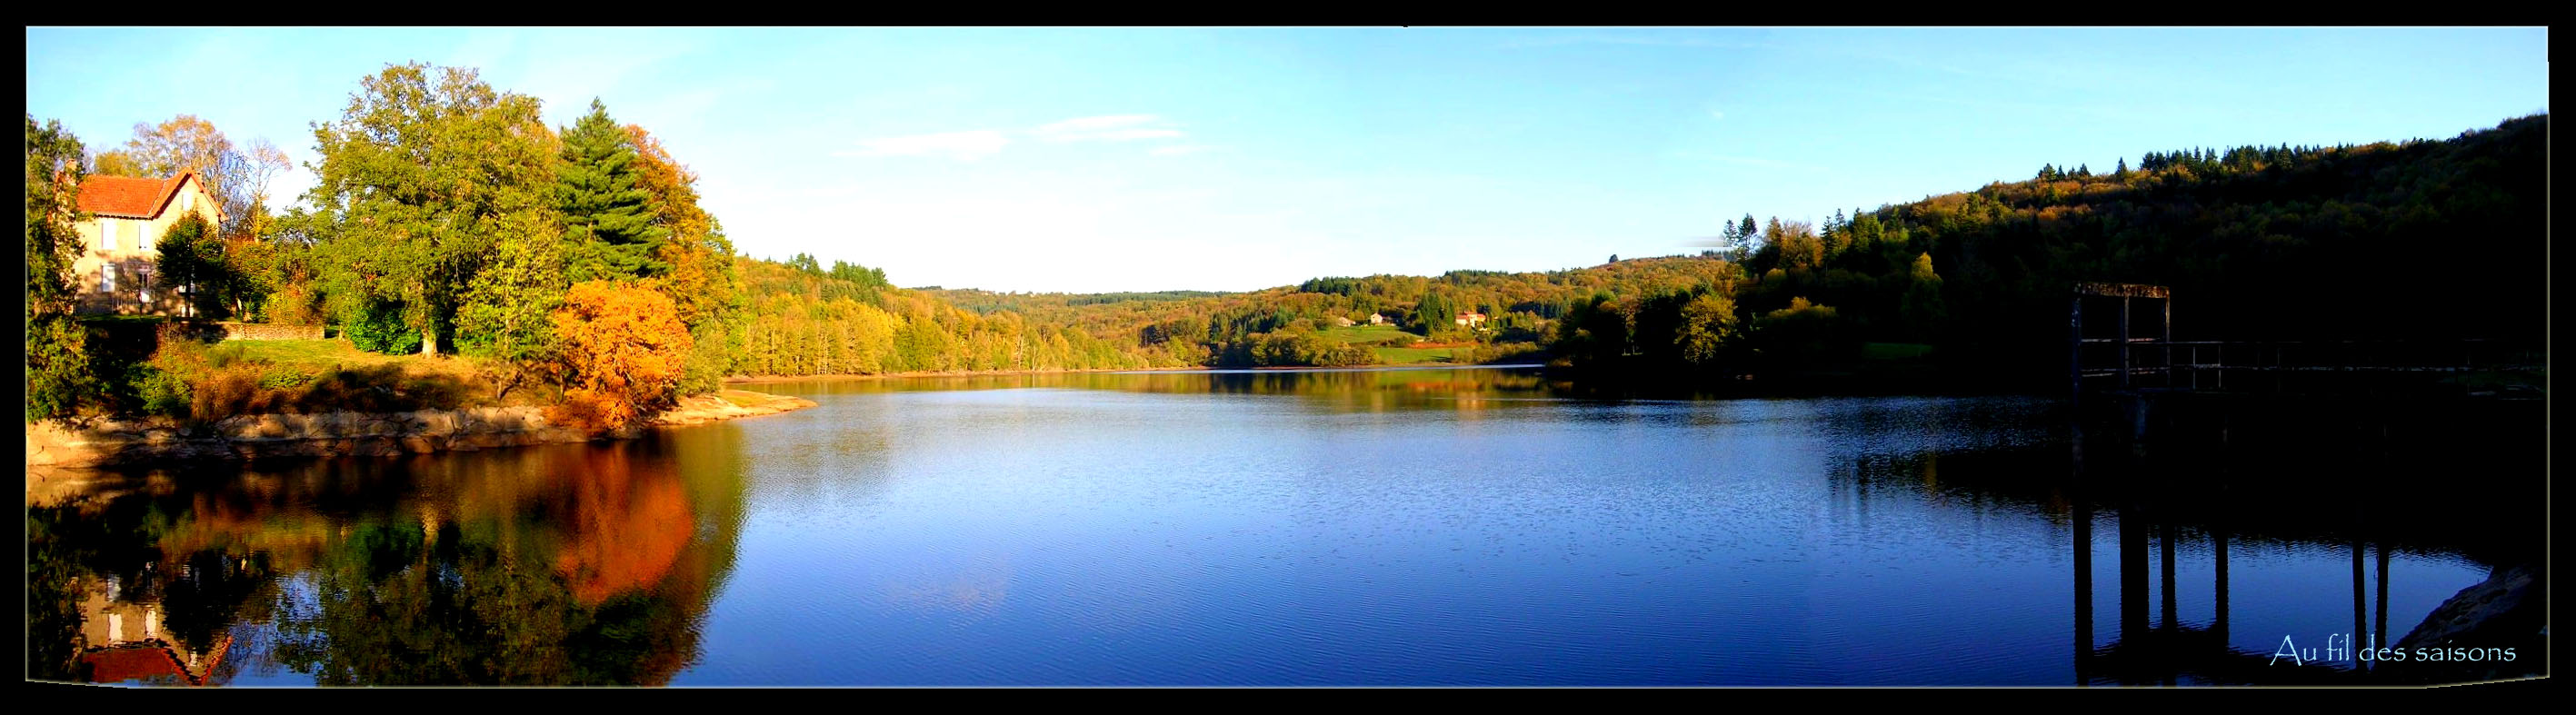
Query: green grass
x=316, y=355
x=1370, y=335
x=319, y=359
x=1893, y=351
x=123, y=319
x=1409, y=356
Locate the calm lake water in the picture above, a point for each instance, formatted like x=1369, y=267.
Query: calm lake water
x=1468, y=526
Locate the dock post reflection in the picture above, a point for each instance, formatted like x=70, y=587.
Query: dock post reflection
x=2083, y=546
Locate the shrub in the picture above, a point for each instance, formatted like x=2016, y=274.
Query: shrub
x=624, y=354
x=381, y=330
x=161, y=391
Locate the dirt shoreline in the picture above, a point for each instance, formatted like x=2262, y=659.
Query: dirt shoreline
x=106, y=443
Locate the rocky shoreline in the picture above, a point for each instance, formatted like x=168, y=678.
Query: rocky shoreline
x=105, y=443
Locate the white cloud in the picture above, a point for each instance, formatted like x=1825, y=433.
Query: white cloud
x=1114, y=128
x=966, y=146
x=1714, y=114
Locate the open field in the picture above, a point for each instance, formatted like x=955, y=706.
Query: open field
x=1371, y=335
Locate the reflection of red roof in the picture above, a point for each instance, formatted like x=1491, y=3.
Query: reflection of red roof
x=131, y=197
x=117, y=665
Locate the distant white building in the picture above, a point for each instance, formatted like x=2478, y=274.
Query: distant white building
x=1376, y=319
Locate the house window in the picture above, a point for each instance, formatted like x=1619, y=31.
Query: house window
x=107, y=278
x=137, y=233
x=106, y=239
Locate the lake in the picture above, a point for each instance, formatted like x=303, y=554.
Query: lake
x=1359, y=527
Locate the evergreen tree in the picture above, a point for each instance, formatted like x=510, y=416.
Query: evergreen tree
x=608, y=219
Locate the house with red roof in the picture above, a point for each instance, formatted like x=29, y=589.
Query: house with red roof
x=128, y=215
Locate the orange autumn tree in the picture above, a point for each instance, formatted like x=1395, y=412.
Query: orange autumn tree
x=624, y=352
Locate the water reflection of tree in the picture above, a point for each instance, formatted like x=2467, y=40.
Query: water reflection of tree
x=575, y=565
x=567, y=590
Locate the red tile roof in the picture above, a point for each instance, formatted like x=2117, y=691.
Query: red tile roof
x=132, y=197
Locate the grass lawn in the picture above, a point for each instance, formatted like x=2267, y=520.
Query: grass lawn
x=1408, y=356
x=1389, y=343
x=325, y=355
x=343, y=373
x=1370, y=335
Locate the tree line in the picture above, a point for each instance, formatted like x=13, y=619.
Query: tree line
x=449, y=218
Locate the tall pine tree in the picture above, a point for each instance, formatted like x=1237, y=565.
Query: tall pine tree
x=608, y=220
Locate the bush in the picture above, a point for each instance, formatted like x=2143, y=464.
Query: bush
x=624, y=354
x=381, y=330
x=59, y=382
x=162, y=392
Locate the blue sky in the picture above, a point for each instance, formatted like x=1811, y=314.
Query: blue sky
x=1238, y=159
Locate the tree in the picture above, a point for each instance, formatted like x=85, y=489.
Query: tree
x=414, y=179
x=1706, y=328
x=1799, y=246
x=1436, y=311
x=609, y=220
x=702, y=281
x=58, y=366
x=185, y=143
x=242, y=184
x=506, y=314
x=1614, y=258
x=238, y=178
x=1923, y=309
x=190, y=260
x=624, y=353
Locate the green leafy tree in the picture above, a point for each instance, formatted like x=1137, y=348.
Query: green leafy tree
x=415, y=181
x=1923, y=309
x=507, y=309
x=59, y=382
x=610, y=221
x=1706, y=329
x=191, y=261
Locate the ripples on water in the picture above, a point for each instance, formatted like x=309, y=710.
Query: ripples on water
x=1252, y=527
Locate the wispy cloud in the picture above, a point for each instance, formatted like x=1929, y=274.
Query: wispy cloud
x=1179, y=149
x=964, y=146
x=1114, y=128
